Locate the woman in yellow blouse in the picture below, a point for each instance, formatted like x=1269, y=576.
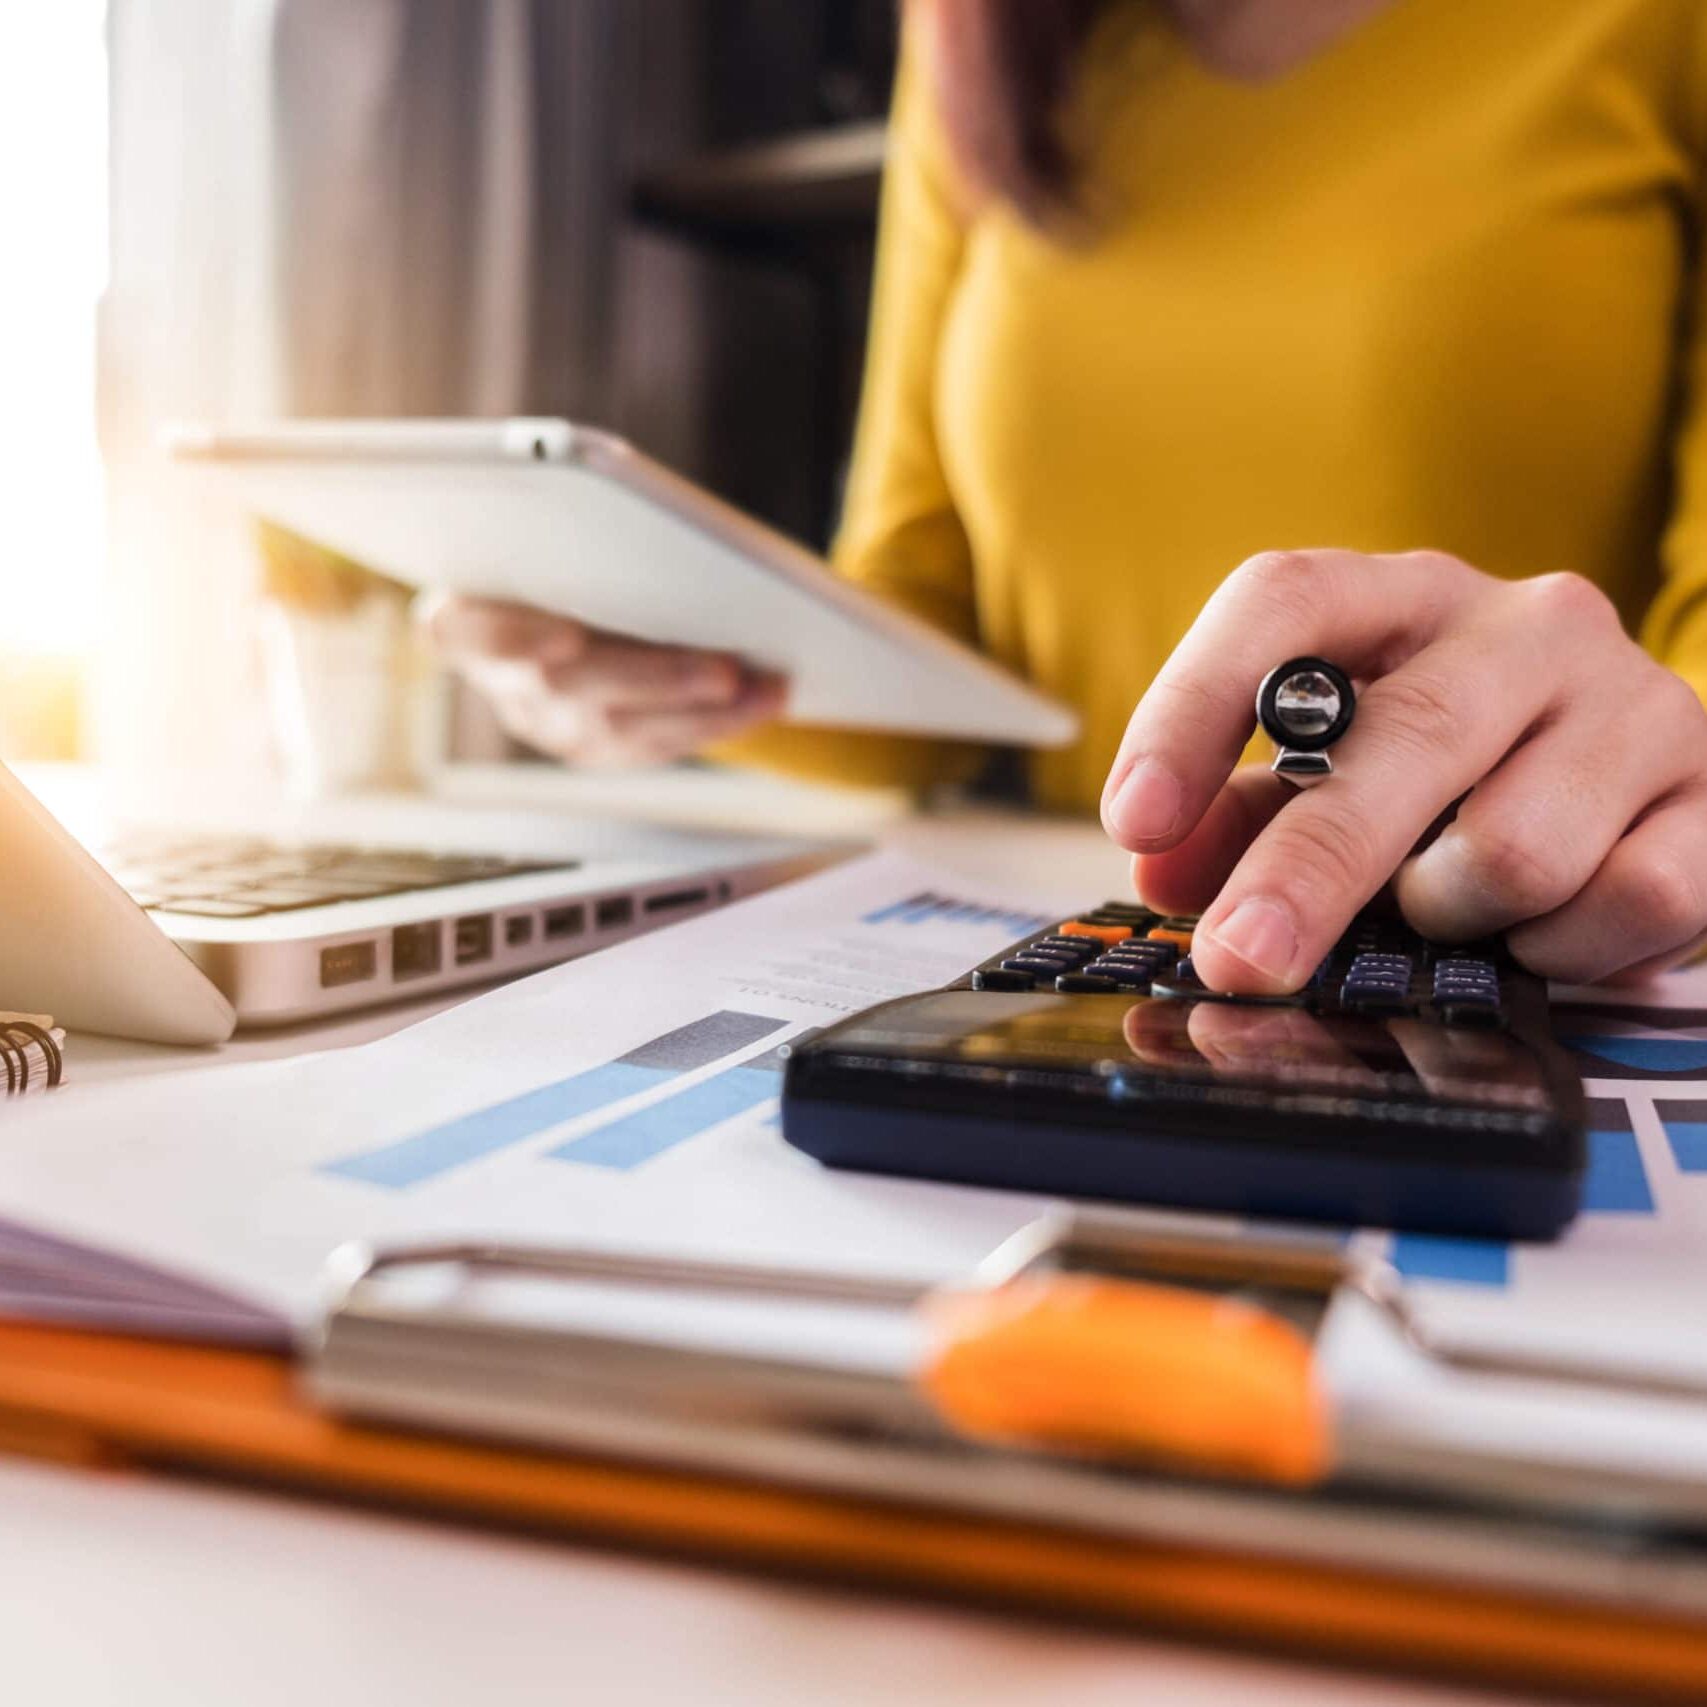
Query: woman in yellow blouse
x=1172, y=293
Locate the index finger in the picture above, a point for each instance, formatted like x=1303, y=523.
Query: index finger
x=1187, y=732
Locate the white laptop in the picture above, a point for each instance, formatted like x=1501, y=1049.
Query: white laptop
x=181, y=938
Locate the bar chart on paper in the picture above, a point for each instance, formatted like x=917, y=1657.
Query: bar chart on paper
x=929, y=908
x=692, y=1078
x=427, y=1154
x=1629, y=1278
x=630, y=1139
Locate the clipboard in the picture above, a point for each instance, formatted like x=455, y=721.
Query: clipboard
x=1089, y=1339
x=1228, y=1563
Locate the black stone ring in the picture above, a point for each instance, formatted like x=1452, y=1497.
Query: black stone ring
x=1304, y=706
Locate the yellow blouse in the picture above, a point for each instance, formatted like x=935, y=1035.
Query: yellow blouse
x=1439, y=287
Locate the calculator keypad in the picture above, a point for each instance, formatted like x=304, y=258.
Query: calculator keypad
x=1380, y=969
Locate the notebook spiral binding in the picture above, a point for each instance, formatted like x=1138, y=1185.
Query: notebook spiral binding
x=18, y=1039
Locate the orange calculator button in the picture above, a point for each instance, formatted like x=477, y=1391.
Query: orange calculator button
x=1102, y=933
x=1167, y=933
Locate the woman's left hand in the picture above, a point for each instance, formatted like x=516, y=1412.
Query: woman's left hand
x=1578, y=763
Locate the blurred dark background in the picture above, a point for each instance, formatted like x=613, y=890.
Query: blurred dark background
x=655, y=215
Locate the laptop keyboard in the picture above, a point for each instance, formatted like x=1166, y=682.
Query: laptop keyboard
x=214, y=877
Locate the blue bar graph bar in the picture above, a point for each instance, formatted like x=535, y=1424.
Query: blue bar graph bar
x=1689, y=1144
x=634, y=1138
x=425, y=1155
x=921, y=909
x=929, y=908
x=1616, y=1182
x=1685, y=1124
x=660, y=1126
x=895, y=910
x=1469, y=1262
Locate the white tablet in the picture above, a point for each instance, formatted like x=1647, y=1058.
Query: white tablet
x=577, y=521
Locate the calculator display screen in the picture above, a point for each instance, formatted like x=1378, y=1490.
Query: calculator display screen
x=1206, y=1041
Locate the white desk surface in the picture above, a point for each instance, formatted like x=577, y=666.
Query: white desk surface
x=152, y=1593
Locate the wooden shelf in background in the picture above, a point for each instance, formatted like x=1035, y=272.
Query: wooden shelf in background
x=815, y=183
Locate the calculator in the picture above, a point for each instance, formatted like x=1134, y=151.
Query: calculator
x=1409, y=1084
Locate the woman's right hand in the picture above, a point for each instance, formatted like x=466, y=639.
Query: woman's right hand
x=592, y=698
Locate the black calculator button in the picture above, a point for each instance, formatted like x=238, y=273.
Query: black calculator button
x=1152, y=968
x=1484, y=1016
x=994, y=978
x=1042, y=964
x=1373, y=1003
x=1181, y=980
x=1080, y=947
x=1121, y=912
x=1195, y=992
x=1127, y=977
x=1147, y=968
x=1181, y=983
x=1085, y=984
x=1375, y=961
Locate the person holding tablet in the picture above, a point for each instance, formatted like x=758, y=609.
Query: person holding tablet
x=1209, y=333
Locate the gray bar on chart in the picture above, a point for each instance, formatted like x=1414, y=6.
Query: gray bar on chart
x=1607, y=1114
x=772, y=1059
x=704, y=1041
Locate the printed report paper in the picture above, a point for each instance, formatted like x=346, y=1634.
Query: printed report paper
x=626, y=1100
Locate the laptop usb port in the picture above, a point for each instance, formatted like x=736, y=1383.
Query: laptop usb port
x=614, y=912
x=473, y=939
x=561, y=922
x=348, y=963
x=415, y=950
x=675, y=899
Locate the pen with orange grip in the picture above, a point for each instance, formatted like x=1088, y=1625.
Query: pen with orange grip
x=1131, y=1369
x=1069, y=1338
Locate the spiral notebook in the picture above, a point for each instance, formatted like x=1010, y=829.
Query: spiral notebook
x=32, y=1053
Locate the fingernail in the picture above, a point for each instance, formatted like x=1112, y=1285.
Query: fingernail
x=1147, y=804
x=1260, y=932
